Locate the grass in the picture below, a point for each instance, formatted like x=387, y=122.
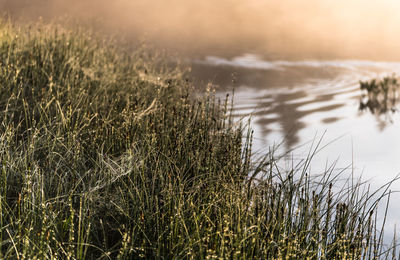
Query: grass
x=106, y=155
x=381, y=95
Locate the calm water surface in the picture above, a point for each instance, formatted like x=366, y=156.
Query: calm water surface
x=294, y=103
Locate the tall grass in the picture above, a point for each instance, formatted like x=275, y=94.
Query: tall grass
x=106, y=155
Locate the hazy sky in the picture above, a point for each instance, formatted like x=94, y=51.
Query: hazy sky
x=368, y=29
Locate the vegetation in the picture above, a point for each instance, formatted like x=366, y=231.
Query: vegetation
x=382, y=95
x=105, y=154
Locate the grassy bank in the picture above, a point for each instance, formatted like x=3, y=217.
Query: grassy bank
x=105, y=154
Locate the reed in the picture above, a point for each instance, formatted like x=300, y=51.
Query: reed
x=106, y=155
x=381, y=96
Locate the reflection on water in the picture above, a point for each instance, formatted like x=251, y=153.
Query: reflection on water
x=288, y=97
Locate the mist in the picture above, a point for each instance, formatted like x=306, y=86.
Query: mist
x=290, y=29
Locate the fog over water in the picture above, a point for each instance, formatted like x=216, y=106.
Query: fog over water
x=293, y=29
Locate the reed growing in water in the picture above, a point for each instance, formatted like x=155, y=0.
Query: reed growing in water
x=381, y=95
x=106, y=155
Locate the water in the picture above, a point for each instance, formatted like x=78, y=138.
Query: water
x=294, y=103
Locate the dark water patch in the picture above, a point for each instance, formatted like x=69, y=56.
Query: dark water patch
x=330, y=120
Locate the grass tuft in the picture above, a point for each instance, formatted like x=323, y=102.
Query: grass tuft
x=381, y=95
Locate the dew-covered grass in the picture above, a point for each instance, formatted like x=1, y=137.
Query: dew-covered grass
x=107, y=154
